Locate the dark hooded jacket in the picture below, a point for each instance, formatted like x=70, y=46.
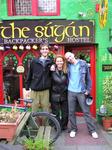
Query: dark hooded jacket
x=38, y=78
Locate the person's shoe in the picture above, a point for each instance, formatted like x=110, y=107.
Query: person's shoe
x=72, y=134
x=94, y=135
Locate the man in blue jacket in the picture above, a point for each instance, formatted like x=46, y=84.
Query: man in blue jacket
x=78, y=89
x=39, y=80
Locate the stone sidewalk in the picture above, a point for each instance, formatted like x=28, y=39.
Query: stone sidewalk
x=84, y=141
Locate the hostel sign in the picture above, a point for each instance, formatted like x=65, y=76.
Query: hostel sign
x=53, y=31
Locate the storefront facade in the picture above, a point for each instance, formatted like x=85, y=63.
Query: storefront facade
x=83, y=33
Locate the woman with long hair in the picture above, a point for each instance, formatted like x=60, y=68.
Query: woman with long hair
x=59, y=102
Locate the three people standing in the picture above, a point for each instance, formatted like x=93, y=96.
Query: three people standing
x=73, y=80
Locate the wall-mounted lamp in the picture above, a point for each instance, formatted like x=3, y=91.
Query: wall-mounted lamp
x=35, y=47
x=82, y=14
x=28, y=47
x=15, y=47
x=1, y=47
x=21, y=47
x=109, y=49
x=7, y=47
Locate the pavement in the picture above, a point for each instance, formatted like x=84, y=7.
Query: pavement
x=82, y=141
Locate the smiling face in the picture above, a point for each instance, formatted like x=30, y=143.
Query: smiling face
x=44, y=51
x=59, y=62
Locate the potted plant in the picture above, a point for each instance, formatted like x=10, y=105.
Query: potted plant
x=107, y=102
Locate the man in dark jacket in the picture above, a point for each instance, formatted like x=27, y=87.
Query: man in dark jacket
x=39, y=80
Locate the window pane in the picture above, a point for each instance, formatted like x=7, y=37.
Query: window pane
x=47, y=6
x=23, y=7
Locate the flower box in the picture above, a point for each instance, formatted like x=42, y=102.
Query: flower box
x=8, y=130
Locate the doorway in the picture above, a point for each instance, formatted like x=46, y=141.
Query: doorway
x=88, y=54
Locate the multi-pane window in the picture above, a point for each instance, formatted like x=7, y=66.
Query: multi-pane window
x=47, y=6
x=34, y=7
x=23, y=7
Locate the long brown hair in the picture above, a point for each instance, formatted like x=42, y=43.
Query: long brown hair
x=64, y=69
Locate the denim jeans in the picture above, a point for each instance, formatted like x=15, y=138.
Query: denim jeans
x=72, y=101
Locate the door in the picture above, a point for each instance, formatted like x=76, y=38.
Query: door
x=87, y=53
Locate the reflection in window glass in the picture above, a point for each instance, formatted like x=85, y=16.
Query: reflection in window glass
x=47, y=6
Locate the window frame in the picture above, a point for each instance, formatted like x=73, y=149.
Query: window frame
x=35, y=12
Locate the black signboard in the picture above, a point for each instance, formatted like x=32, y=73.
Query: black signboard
x=107, y=67
x=53, y=31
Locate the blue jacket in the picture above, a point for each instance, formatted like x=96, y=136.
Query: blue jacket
x=85, y=76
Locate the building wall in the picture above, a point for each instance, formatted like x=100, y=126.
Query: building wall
x=70, y=10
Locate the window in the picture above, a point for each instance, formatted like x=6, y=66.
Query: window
x=23, y=7
x=33, y=7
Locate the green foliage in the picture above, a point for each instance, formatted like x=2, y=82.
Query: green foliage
x=51, y=55
x=41, y=144
x=38, y=144
x=107, y=95
x=83, y=55
x=29, y=144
